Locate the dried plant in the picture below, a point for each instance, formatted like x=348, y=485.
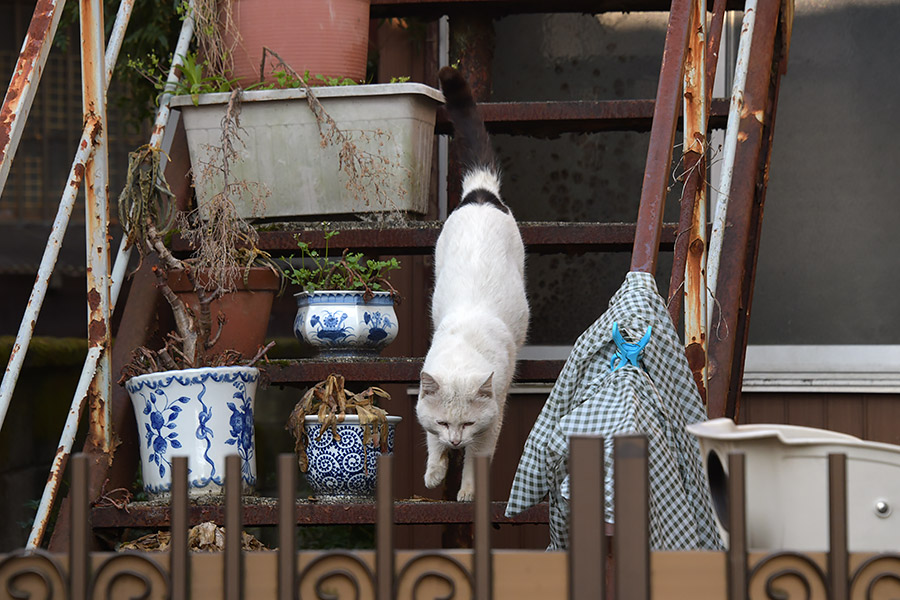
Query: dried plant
x=330, y=402
x=366, y=172
x=225, y=243
x=224, y=250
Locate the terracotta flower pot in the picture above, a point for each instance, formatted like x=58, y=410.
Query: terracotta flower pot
x=246, y=310
x=324, y=37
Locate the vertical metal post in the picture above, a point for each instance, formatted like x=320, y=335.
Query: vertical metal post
x=838, y=563
x=737, y=529
x=484, y=565
x=179, y=557
x=384, y=529
x=735, y=112
x=662, y=136
x=234, y=555
x=79, y=548
x=695, y=120
x=287, y=527
x=740, y=229
x=632, y=509
x=587, y=515
x=93, y=74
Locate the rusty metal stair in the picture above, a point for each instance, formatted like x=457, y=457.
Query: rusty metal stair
x=526, y=118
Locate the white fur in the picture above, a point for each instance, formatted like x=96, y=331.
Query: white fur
x=480, y=316
x=481, y=179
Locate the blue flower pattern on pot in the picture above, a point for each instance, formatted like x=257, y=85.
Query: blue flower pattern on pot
x=345, y=323
x=205, y=432
x=343, y=468
x=162, y=417
x=378, y=326
x=242, y=429
x=330, y=327
x=158, y=431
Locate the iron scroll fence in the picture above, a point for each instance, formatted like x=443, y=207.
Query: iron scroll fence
x=587, y=570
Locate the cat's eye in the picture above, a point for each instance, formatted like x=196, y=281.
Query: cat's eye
x=442, y=423
x=468, y=423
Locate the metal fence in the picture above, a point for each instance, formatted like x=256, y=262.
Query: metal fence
x=590, y=568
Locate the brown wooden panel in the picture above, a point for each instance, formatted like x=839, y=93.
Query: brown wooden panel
x=882, y=418
x=762, y=408
x=846, y=413
x=806, y=410
x=521, y=413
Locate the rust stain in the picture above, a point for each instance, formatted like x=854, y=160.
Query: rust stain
x=79, y=173
x=36, y=38
x=742, y=136
x=97, y=330
x=697, y=246
x=696, y=358
x=94, y=300
x=758, y=114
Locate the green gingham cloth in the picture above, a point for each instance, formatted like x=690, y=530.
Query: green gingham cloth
x=659, y=401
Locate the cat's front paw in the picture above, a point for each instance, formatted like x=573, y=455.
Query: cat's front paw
x=434, y=475
x=466, y=494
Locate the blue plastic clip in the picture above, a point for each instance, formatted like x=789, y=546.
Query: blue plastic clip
x=627, y=353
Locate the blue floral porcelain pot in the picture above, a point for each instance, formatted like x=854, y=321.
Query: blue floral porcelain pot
x=204, y=414
x=344, y=469
x=341, y=323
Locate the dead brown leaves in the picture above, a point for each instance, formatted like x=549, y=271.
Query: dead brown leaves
x=331, y=402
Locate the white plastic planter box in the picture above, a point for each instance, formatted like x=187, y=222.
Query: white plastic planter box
x=282, y=148
x=787, y=485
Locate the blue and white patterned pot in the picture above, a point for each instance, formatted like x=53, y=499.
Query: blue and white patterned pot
x=344, y=469
x=340, y=323
x=204, y=414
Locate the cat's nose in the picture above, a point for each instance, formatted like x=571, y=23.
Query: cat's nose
x=455, y=443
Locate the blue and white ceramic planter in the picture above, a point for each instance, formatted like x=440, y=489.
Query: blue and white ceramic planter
x=344, y=469
x=340, y=323
x=204, y=414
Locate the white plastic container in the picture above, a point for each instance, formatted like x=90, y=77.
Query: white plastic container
x=787, y=485
x=283, y=150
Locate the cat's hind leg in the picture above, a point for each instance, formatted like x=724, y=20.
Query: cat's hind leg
x=436, y=465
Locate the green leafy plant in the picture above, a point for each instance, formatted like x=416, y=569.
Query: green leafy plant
x=330, y=402
x=194, y=80
x=198, y=77
x=352, y=271
x=286, y=79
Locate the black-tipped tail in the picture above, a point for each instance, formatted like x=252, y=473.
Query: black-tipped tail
x=469, y=132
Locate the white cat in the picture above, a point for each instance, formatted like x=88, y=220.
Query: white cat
x=479, y=309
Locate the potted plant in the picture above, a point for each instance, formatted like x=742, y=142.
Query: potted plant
x=193, y=396
x=330, y=38
x=324, y=150
x=339, y=436
x=346, y=307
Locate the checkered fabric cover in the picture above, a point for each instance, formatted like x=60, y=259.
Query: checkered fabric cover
x=589, y=399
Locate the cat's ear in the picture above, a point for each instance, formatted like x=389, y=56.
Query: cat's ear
x=429, y=384
x=487, y=388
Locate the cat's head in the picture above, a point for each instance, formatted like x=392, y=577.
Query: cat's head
x=458, y=409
